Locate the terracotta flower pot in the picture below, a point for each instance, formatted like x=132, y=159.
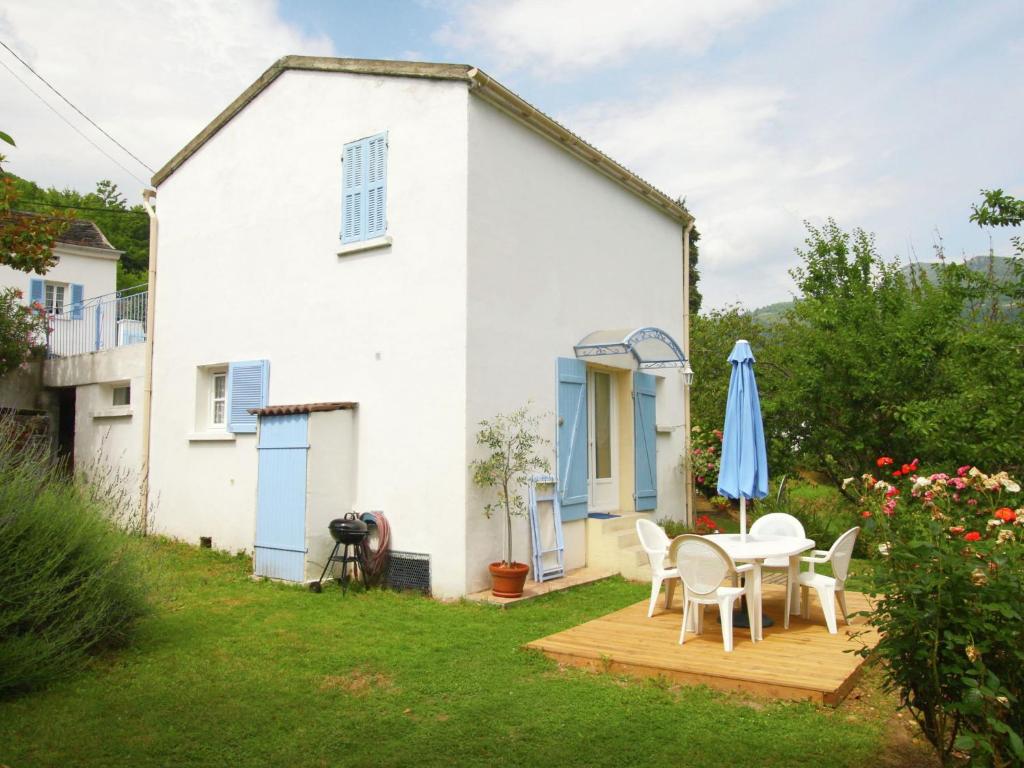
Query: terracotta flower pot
x=508, y=580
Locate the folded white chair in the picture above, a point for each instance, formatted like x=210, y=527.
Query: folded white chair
x=703, y=566
x=656, y=542
x=779, y=524
x=829, y=588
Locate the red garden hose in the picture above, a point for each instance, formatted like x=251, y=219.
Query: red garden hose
x=375, y=549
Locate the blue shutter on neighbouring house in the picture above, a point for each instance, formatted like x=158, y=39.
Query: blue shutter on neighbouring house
x=77, y=295
x=36, y=291
x=644, y=442
x=248, y=385
x=571, y=445
x=364, y=172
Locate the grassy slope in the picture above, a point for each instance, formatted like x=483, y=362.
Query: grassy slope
x=232, y=672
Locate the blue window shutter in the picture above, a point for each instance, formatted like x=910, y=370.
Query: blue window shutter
x=77, y=294
x=376, y=185
x=36, y=291
x=645, y=470
x=353, y=192
x=248, y=385
x=571, y=445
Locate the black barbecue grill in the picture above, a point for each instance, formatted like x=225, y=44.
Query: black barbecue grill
x=348, y=533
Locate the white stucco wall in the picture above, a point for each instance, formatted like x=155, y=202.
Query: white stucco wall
x=106, y=435
x=249, y=270
x=94, y=268
x=556, y=250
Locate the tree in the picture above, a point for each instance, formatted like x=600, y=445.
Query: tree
x=695, y=295
x=879, y=360
x=126, y=227
x=512, y=441
x=26, y=240
x=711, y=340
x=1000, y=210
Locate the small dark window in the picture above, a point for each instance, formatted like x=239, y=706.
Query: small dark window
x=123, y=395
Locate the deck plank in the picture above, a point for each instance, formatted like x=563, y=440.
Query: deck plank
x=802, y=662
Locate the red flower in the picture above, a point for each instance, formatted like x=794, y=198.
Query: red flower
x=972, y=536
x=892, y=492
x=883, y=461
x=897, y=473
x=865, y=513
x=956, y=530
x=906, y=469
x=1005, y=514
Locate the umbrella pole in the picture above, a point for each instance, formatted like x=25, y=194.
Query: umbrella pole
x=743, y=518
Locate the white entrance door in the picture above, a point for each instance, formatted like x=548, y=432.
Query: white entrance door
x=604, y=442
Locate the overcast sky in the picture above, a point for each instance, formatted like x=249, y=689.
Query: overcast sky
x=762, y=113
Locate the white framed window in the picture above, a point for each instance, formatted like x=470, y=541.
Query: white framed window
x=54, y=297
x=218, y=399
x=121, y=394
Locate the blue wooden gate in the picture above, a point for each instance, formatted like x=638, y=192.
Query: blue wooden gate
x=281, y=497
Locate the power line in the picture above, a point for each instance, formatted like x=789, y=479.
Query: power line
x=82, y=207
x=68, y=102
x=74, y=127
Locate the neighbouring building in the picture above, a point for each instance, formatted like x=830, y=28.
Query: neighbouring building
x=95, y=360
x=413, y=248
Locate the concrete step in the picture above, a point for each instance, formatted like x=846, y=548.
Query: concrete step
x=634, y=565
x=626, y=539
x=623, y=522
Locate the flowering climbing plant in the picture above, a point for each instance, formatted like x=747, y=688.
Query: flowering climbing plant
x=948, y=577
x=22, y=329
x=705, y=459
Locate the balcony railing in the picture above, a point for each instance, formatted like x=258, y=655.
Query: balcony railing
x=104, y=322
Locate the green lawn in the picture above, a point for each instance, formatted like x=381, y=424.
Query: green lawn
x=227, y=671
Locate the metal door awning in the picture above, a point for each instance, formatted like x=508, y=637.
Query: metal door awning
x=645, y=348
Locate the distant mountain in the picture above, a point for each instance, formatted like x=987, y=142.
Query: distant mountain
x=1001, y=267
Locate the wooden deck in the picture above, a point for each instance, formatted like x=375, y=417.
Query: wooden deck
x=802, y=662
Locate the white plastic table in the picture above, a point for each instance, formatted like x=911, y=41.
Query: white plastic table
x=757, y=549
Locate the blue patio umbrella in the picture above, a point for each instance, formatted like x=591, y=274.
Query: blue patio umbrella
x=744, y=472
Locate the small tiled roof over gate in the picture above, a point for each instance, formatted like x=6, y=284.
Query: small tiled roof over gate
x=287, y=410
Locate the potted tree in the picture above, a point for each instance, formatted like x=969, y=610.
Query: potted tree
x=512, y=442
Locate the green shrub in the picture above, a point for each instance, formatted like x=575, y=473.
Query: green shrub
x=821, y=510
x=70, y=579
x=950, y=610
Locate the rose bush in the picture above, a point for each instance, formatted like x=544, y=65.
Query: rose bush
x=705, y=459
x=22, y=329
x=949, y=581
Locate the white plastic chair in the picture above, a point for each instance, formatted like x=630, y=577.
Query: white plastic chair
x=779, y=524
x=703, y=566
x=656, y=542
x=829, y=588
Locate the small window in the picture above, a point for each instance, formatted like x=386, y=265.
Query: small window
x=54, y=301
x=122, y=395
x=218, y=399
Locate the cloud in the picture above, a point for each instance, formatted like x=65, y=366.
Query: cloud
x=750, y=177
x=561, y=37
x=152, y=74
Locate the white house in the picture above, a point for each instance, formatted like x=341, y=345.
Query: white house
x=95, y=361
x=414, y=248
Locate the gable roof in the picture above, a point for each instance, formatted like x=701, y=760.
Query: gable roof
x=81, y=232
x=479, y=83
x=85, y=232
